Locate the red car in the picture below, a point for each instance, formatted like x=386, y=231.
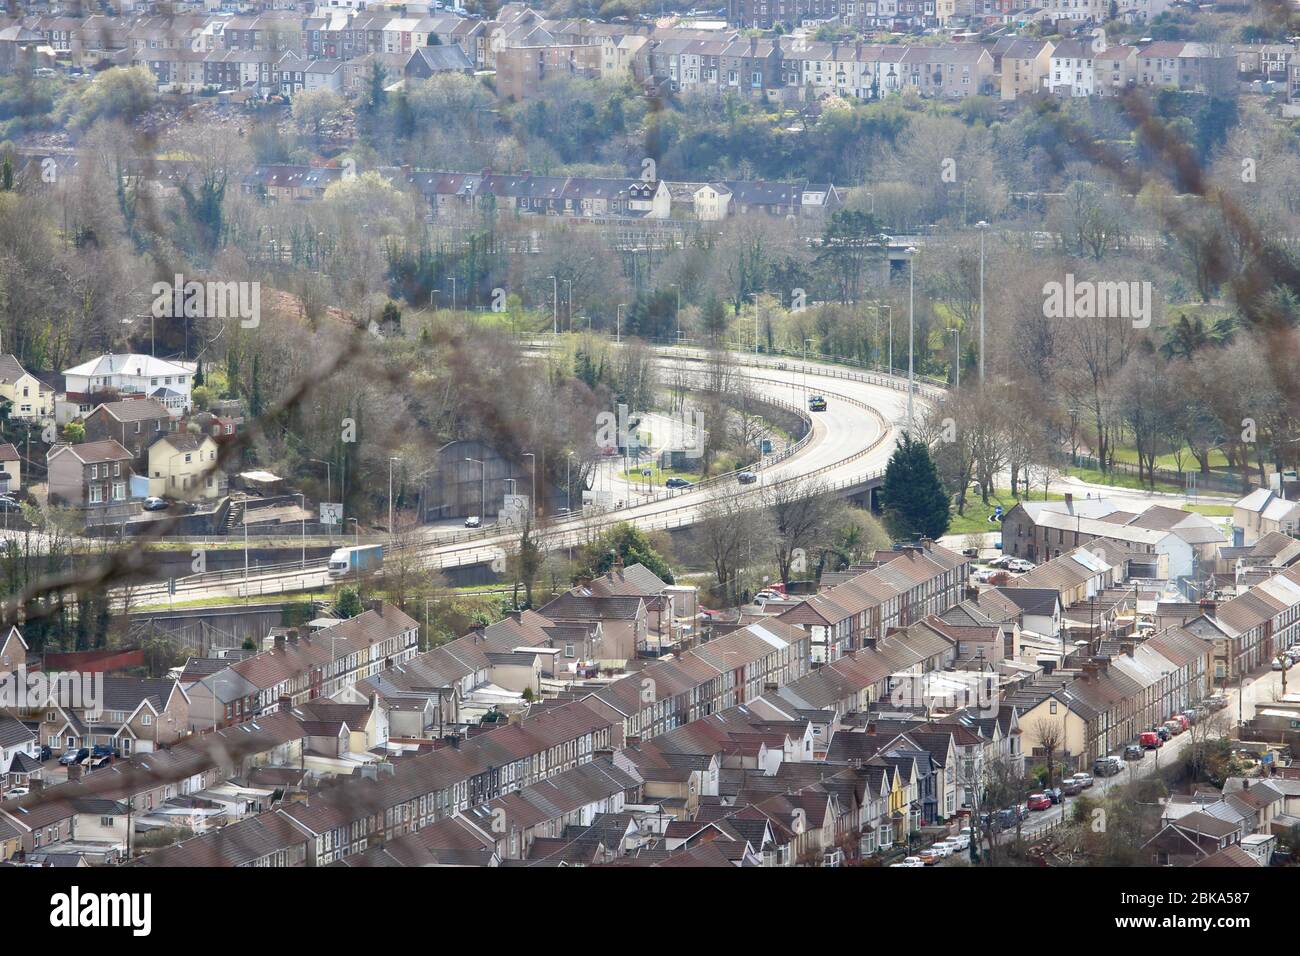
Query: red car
x=1039, y=801
x=1150, y=740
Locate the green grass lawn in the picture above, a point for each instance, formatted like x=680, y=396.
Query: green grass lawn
x=1120, y=480
x=1169, y=462
x=1210, y=511
x=659, y=475
x=975, y=520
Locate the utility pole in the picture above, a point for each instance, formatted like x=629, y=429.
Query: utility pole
x=555, y=305
x=390, y=497
x=911, y=331
x=981, y=226
x=482, y=492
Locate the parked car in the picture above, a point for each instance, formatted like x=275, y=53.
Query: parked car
x=1183, y=722
x=1277, y=664
x=961, y=840
x=473, y=521
x=1107, y=766
x=676, y=482
x=1084, y=779
x=1163, y=732
x=153, y=503
x=1175, y=727
x=1020, y=565
x=928, y=857
x=8, y=504
x=1039, y=801
x=911, y=861
x=1133, y=752
x=942, y=848
x=985, y=575
x=1071, y=787
x=1054, y=794
x=16, y=792
x=1151, y=740
x=747, y=477
x=1003, y=562
x=46, y=752
x=1192, y=715
x=1216, y=701
x=104, y=750
x=970, y=552
x=73, y=755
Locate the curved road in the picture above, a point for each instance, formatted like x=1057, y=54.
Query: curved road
x=849, y=442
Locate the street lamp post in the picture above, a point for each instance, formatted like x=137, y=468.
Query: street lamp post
x=453, y=293
x=390, y=496
x=329, y=490
x=568, y=292
x=677, y=316
x=754, y=296
x=568, y=487
x=956, y=362
x=618, y=324
x=981, y=226
x=304, y=528
x=533, y=502
x=356, y=529
x=555, y=305
x=482, y=492
x=911, y=329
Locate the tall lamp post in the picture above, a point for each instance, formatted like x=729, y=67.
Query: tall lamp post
x=677, y=316
x=981, y=226
x=618, y=324
x=533, y=503
x=555, y=306
x=568, y=293
x=911, y=329
x=329, y=490
x=304, y=527
x=568, y=486
x=482, y=492
x=390, y=496
x=956, y=361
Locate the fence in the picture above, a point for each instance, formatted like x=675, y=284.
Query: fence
x=1214, y=480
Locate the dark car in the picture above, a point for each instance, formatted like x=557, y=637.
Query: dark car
x=103, y=750
x=46, y=752
x=676, y=482
x=1054, y=794
x=1133, y=752
x=71, y=756
x=9, y=505
x=1163, y=732
x=747, y=477
x=1071, y=787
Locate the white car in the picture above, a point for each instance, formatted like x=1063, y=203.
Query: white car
x=1020, y=565
x=961, y=841
x=911, y=861
x=984, y=575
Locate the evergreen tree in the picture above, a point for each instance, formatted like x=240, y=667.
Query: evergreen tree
x=348, y=604
x=631, y=545
x=198, y=374
x=913, y=498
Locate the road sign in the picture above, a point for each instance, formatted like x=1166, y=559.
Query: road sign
x=331, y=512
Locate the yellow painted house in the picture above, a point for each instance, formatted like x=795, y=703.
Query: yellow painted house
x=29, y=398
x=179, y=465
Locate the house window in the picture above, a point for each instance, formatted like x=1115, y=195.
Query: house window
x=96, y=494
x=1051, y=707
